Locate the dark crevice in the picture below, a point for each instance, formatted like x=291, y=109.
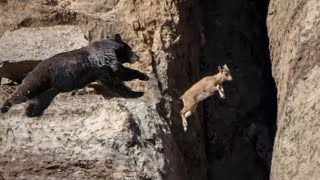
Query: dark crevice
x=183, y=71
x=240, y=129
x=16, y=71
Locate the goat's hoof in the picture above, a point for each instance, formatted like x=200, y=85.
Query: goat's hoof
x=185, y=125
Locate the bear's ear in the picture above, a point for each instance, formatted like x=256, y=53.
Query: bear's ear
x=117, y=38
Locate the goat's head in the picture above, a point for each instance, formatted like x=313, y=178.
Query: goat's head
x=225, y=73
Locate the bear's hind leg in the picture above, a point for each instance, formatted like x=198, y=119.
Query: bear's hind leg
x=16, y=98
x=41, y=102
x=29, y=88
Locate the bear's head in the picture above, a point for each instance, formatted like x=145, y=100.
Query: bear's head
x=124, y=51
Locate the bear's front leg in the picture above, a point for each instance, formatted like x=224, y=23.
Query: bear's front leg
x=116, y=86
x=109, y=79
x=127, y=74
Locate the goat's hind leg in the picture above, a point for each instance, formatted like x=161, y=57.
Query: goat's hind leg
x=191, y=110
x=185, y=113
x=183, y=118
x=184, y=122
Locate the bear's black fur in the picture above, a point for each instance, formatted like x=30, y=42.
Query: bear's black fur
x=100, y=61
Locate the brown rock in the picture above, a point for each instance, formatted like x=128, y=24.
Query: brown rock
x=21, y=50
x=295, y=53
x=87, y=136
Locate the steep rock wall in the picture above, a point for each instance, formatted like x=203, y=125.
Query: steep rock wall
x=88, y=136
x=226, y=139
x=293, y=28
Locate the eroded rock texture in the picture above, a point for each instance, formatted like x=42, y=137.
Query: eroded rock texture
x=95, y=136
x=21, y=50
x=91, y=137
x=295, y=52
x=86, y=137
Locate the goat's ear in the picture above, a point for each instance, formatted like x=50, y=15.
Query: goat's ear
x=219, y=68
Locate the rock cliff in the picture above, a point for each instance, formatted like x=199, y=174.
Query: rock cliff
x=295, y=53
x=266, y=127
x=90, y=136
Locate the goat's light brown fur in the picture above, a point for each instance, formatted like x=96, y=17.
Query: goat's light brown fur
x=202, y=90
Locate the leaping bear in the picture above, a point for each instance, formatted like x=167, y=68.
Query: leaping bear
x=100, y=61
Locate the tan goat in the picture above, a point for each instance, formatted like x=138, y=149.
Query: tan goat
x=202, y=90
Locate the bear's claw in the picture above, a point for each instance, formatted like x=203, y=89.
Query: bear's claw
x=5, y=109
x=144, y=77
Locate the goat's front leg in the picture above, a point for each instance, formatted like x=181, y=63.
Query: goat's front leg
x=221, y=91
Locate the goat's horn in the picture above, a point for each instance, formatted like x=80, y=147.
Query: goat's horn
x=225, y=67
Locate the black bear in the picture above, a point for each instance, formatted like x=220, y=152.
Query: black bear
x=100, y=61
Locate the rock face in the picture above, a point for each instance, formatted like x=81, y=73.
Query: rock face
x=40, y=43
x=293, y=28
x=95, y=136
x=21, y=50
x=88, y=136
